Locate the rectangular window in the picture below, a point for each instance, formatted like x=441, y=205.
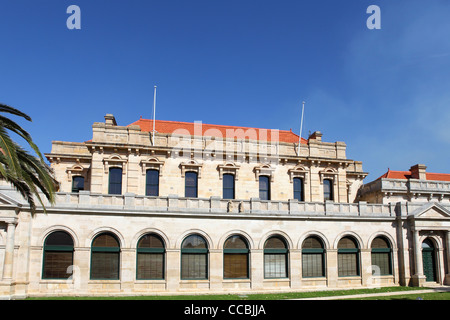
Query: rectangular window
x=105, y=265
x=115, y=181
x=264, y=188
x=275, y=265
x=298, y=189
x=235, y=265
x=56, y=264
x=77, y=183
x=327, y=189
x=194, y=266
x=348, y=264
x=191, y=184
x=228, y=186
x=383, y=261
x=150, y=266
x=152, y=183
x=312, y=265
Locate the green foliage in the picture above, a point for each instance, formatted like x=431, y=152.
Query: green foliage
x=27, y=173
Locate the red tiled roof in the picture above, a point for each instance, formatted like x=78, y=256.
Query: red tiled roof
x=220, y=131
x=390, y=174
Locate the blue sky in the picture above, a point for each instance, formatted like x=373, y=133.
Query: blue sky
x=386, y=93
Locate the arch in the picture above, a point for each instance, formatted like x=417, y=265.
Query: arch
x=359, y=242
x=54, y=228
x=189, y=232
x=99, y=230
x=384, y=234
x=313, y=233
x=272, y=233
x=143, y=232
x=225, y=236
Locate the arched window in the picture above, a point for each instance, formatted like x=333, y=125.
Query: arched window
x=235, y=258
x=264, y=188
x=348, y=257
x=58, y=256
x=115, y=180
x=381, y=256
x=191, y=188
x=298, y=189
x=105, y=257
x=194, y=258
x=77, y=183
x=313, y=258
x=275, y=258
x=150, y=257
x=228, y=186
x=152, y=183
x=328, y=189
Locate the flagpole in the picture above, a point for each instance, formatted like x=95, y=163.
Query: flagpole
x=154, y=112
x=301, y=128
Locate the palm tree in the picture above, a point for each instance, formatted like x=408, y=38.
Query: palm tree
x=18, y=167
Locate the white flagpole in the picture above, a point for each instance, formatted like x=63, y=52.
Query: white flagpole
x=301, y=127
x=154, y=112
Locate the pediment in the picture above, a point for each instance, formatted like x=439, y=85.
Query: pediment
x=433, y=210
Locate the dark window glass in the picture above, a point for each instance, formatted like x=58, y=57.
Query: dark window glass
x=275, y=258
x=348, y=257
x=313, y=258
x=58, y=256
x=235, y=258
x=194, y=258
x=150, y=257
x=228, y=186
x=77, y=183
x=152, y=183
x=191, y=184
x=105, y=257
x=115, y=181
x=327, y=189
x=264, y=188
x=298, y=189
x=381, y=256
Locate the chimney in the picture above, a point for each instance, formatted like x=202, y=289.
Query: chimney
x=419, y=172
x=316, y=135
x=110, y=120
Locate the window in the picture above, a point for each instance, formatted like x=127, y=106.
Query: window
x=194, y=258
x=313, y=258
x=264, y=188
x=348, y=257
x=298, y=189
x=150, y=257
x=77, y=183
x=228, y=186
x=235, y=258
x=328, y=189
x=115, y=181
x=105, y=257
x=191, y=179
x=58, y=256
x=275, y=258
x=381, y=256
x=152, y=183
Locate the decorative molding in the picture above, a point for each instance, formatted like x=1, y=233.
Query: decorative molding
x=298, y=172
x=76, y=170
x=230, y=168
x=114, y=161
x=191, y=165
x=152, y=163
x=264, y=170
x=328, y=173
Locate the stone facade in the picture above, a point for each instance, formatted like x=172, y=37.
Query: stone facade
x=131, y=214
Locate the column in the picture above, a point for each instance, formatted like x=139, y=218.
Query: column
x=418, y=278
x=332, y=267
x=9, y=251
x=257, y=268
x=447, y=276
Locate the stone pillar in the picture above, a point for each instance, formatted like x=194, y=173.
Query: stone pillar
x=80, y=270
x=447, y=251
x=173, y=275
x=9, y=251
x=332, y=267
x=215, y=269
x=257, y=268
x=128, y=269
x=366, y=267
x=418, y=278
x=295, y=257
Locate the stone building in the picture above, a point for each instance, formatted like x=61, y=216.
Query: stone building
x=193, y=207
